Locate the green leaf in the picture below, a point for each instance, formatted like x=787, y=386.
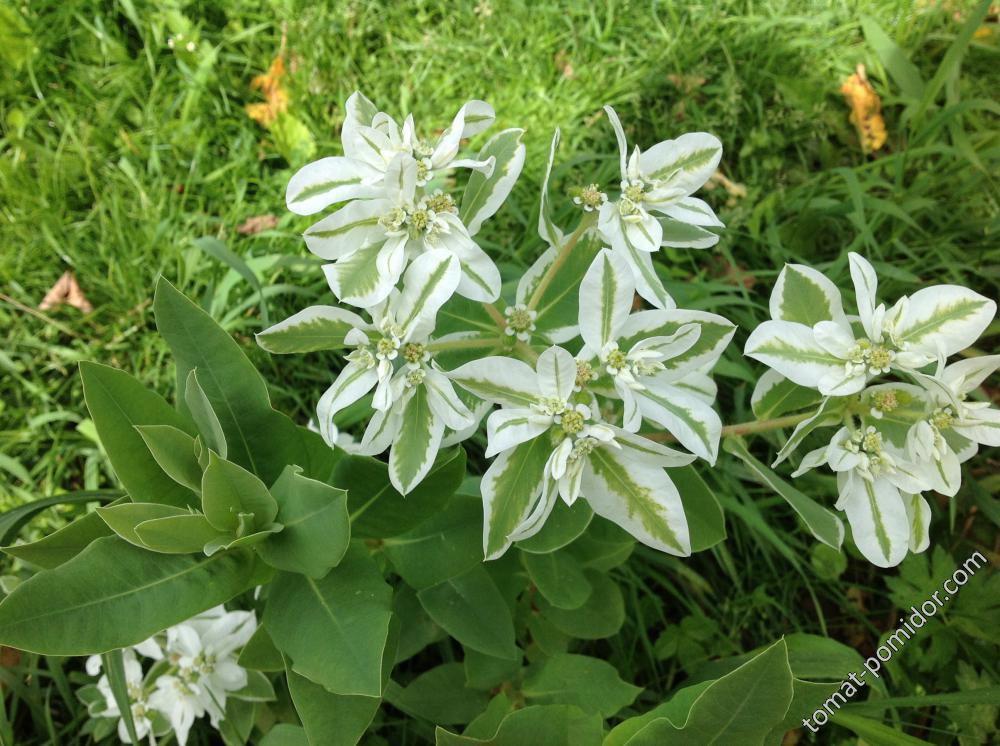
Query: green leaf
x=486, y=672
x=330, y=719
x=874, y=732
x=706, y=522
x=904, y=73
x=179, y=534
x=438, y=695
x=591, y=684
x=173, y=450
x=348, y=610
x=204, y=415
x=356, y=275
x=260, y=653
x=123, y=518
x=417, y=629
x=314, y=328
x=378, y=511
x=483, y=196
x=447, y=545
x=117, y=403
x=774, y=395
x=283, y=734
x=317, y=528
x=415, y=447
x=559, y=578
x=113, y=663
x=257, y=689
x=113, y=595
x=602, y=615
x=564, y=524
x=227, y=490
x=471, y=609
x=258, y=438
x=538, y=725
x=62, y=545
x=741, y=707
x=559, y=304
x=13, y=520
x=824, y=524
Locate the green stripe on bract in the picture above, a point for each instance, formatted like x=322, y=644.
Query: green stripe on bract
x=493, y=391
x=681, y=413
x=782, y=397
x=780, y=348
x=941, y=316
x=880, y=533
x=306, y=336
x=467, y=271
x=647, y=273
x=432, y=282
x=515, y=489
x=638, y=500
x=332, y=232
x=609, y=290
x=711, y=334
x=695, y=159
x=802, y=300
x=504, y=148
x=321, y=188
x=413, y=448
x=357, y=273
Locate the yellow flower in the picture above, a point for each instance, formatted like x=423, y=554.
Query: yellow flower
x=866, y=110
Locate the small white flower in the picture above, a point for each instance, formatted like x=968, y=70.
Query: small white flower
x=520, y=321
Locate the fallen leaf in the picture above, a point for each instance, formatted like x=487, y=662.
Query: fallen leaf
x=866, y=110
x=735, y=190
x=66, y=290
x=256, y=224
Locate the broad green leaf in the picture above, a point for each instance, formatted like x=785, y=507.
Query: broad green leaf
x=448, y=544
x=774, y=395
x=284, y=734
x=415, y=448
x=591, y=684
x=113, y=595
x=317, y=528
x=821, y=522
x=603, y=546
x=314, y=328
x=417, y=629
x=117, y=403
x=258, y=689
x=601, y=615
x=706, y=522
x=237, y=721
x=227, y=490
x=741, y=707
x=803, y=295
x=484, y=195
x=330, y=719
x=179, y=534
x=564, y=524
x=258, y=438
x=639, y=498
x=14, y=519
x=63, y=544
x=807, y=697
x=348, y=610
x=260, y=654
x=487, y=672
x=204, y=416
x=378, y=511
x=123, y=518
x=438, y=695
x=510, y=487
x=173, y=450
x=538, y=725
x=558, y=577
x=470, y=608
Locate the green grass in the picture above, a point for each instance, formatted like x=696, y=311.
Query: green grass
x=118, y=152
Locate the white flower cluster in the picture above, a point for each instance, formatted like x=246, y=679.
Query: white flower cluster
x=899, y=437
x=192, y=671
x=401, y=249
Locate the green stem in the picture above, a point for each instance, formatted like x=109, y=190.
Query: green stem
x=744, y=428
x=586, y=222
x=477, y=343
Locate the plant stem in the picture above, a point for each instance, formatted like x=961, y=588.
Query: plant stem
x=744, y=428
x=476, y=343
x=586, y=222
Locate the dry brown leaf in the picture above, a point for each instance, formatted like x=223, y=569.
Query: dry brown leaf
x=272, y=86
x=866, y=110
x=686, y=83
x=564, y=65
x=66, y=290
x=256, y=224
x=734, y=189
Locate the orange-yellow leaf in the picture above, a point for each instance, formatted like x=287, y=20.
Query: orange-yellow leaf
x=866, y=110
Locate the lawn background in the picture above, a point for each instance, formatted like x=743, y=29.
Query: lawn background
x=121, y=153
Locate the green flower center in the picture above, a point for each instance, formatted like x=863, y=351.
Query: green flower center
x=415, y=377
x=386, y=347
x=413, y=352
x=572, y=422
x=879, y=357
x=519, y=319
x=441, y=202
x=885, y=401
x=617, y=360
x=942, y=419
x=584, y=373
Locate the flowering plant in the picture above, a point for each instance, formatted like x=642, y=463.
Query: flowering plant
x=599, y=416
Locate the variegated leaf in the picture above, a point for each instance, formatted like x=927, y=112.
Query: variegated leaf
x=638, y=497
x=606, y=294
x=693, y=422
x=878, y=518
x=774, y=395
x=792, y=350
x=484, y=195
x=501, y=380
x=511, y=487
x=329, y=180
x=803, y=295
x=314, y=328
x=416, y=446
x=715, y=334
x=944, y=319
